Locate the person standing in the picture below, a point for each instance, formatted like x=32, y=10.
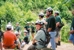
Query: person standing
x=17, y=28
x=18, y=40
x=58, y=23
x=26, y=39
x=42, y=19
x=27, y=27
x=51, y=26
x=71, y=38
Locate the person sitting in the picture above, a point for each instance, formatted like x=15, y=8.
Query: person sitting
x=9, y=38
x=18, y=40
x=36, y=43
x=25, y=40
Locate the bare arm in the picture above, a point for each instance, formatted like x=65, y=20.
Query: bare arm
x=57, y=24
x=49, y=29
x=34, y=41
x=72, y=31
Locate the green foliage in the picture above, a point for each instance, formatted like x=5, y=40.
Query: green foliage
x=11, y=12
x=65, y=33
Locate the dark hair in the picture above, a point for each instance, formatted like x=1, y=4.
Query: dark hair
x=57, y=13
x=41, y=16
x=8, y=29
x=51, y=11
x=17, y=34
x=38, y=24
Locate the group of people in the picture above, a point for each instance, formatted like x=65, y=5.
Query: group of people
x=10, y=39
x=51, y=25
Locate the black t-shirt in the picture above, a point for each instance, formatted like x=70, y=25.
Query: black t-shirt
x=17, y=28
x=27, y=28
x=51, y=23
x=72, y=25
x=1, y=35
x=32, y=29
x=26, y=40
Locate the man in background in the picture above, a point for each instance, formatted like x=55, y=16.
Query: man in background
x=17, y=28
x=27, y=27
x=58, y=23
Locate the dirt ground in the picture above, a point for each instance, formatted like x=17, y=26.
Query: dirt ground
x=64, y=46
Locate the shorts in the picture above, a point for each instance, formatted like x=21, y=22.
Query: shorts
x=71, y=38
x=57, y=32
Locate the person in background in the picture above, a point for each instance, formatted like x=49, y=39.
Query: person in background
x=9, y=38
x=1, y=36
x=17, y=28
x=71, y=38
x=9, y=23
x=32, y=29
x=18, y=40
x=27, y=27
x=42, y=19
x=51, y=26
x=26, y=39
x=58, y=23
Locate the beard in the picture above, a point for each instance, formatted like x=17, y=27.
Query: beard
x=47, y=15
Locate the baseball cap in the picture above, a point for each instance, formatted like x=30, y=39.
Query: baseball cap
x=25, y=31
x=41, y=14
x=16, y=32
x=57, y=12
x=49, y=9
x=39, y=22
x=9, y=26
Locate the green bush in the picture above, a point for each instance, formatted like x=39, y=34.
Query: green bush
x=65, y=31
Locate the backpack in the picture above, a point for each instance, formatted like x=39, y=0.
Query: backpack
x=47, y=35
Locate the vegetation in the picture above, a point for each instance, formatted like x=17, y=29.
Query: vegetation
x=27, y=10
